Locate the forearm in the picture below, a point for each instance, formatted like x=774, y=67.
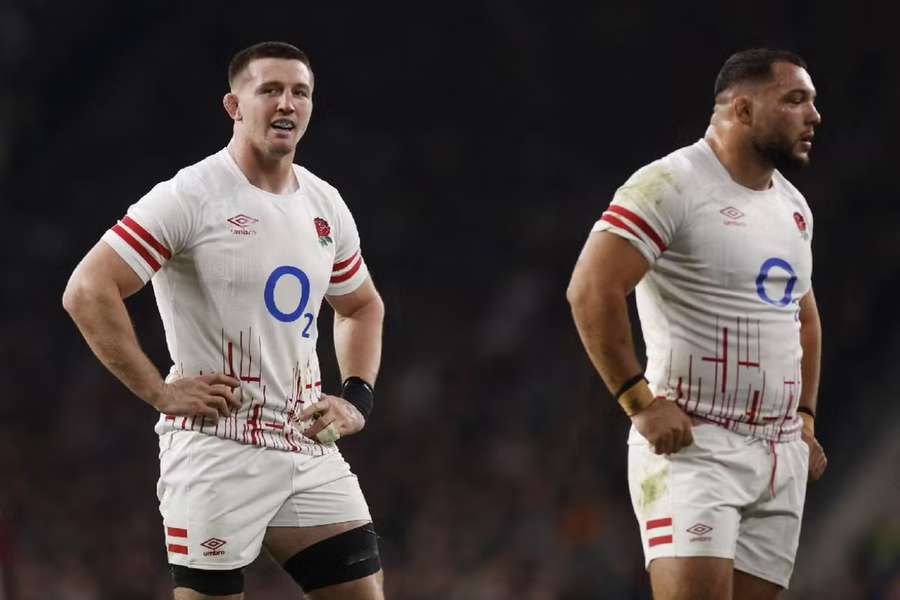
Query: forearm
x=605, y=330
x=811, y=342
x=103, y=320
x=357, y=341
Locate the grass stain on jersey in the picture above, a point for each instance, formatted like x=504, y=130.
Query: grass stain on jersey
x=653, y=488
x=649, y=185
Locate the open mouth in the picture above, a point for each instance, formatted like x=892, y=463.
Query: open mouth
x=284, y=125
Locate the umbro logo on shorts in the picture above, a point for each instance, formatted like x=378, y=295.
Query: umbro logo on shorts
x=699, y=531
x=213, y=544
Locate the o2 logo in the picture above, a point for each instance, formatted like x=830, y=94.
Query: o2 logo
x=269, y=296
x=781, y=265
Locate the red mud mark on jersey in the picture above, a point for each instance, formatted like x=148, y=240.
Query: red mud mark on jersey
x=699, y=531
x=323, y=230
x=733, y=216
x=242, y=224
x=213, y=546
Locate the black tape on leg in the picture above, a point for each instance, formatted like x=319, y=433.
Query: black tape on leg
x=207, y=581
x=345, y=557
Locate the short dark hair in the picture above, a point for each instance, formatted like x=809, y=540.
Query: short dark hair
x=243, y=58
x=752, y=65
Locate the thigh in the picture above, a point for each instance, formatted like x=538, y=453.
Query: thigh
x=750, y=587
x=688, y=504
x=217, y=497
x=697, y=578
x=326, y=566
x=325, y=492
x=770, y=529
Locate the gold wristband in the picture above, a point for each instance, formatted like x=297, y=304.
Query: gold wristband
x=809, y=424
x=636, y=398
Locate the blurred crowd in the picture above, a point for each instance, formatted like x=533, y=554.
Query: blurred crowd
x=475, y=148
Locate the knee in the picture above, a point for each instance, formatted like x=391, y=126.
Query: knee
x=345, y=557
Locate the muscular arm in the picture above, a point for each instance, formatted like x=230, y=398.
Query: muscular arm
x=94, y=298
x=811, y=342
x=358, y=318
x=606, y=272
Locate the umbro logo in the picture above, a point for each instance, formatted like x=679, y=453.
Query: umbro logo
x=733, y=216
x=213, y=544
x=699, y=531
x=242, y=224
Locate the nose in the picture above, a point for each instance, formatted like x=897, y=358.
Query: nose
x=286, y=102
x=815, y=118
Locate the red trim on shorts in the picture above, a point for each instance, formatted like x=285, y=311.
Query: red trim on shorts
x=129, y=239
x=176, y=532
x=663, y=539
x=176, y=549
x=145, y=235
x=624, y=212
x=348, y=274
x=667, y=522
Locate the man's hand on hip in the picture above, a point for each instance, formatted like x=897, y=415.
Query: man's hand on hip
x=334, y=419
x=208, y=396
x=665, y=425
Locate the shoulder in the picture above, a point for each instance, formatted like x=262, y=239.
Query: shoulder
x=789, y=189
x=313, y=184
x=666, y=178
x=214, y=176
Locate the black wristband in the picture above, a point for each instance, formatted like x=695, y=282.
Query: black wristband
x=628, y=385
x=803, y=409
x=360, y=394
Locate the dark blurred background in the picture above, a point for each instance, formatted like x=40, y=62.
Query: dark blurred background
x=476, y=145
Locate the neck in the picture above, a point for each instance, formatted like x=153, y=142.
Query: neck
x=274, y=175
x=742, y=161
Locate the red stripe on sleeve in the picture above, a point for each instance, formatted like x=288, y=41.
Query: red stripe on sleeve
x=145, y=235
x=137, y=246
x=624, y=212
x=659, y=523
x=176, y=549
x=348, y=274
x=344, y=263
x=618, y=223
x=663, y=539
x=176, y=532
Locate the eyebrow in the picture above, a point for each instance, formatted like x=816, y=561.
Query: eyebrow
x=811, y=92
x=281, y=84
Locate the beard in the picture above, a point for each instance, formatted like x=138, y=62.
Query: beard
x=779, y=151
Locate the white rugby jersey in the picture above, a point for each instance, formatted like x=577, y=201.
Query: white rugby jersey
x=239, y=275
x=719, y=306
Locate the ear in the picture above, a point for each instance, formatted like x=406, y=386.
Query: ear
x=743, y=109
x=230, y=102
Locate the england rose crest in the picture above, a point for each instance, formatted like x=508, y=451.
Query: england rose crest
x=323, y=230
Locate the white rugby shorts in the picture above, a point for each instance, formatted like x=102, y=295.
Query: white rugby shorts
x=217, y=497
x=726, y=495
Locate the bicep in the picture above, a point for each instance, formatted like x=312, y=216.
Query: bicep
x=103, y=267
x=809, y=310
x=347, y=304
x=610, y=262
